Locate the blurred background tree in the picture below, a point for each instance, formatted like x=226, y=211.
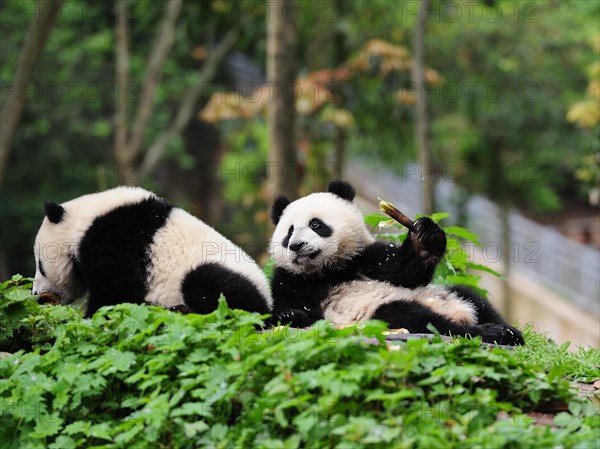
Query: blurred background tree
x=172, y=96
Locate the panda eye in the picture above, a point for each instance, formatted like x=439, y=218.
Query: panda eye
x=41, y=269
x=315, y=224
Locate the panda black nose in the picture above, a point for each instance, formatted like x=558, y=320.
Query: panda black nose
x=296, y=246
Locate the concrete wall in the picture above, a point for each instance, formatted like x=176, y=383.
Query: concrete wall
x=550, y=313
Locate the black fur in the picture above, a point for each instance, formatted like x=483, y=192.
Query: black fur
x=77, y=274
x=279, y=205
x=113, y=254
x=202, y=287
x=415, y=317
x=399, y=265
x=302, y=295
x=320, y=228
x=485, y=311
x=41, y=268
x=298, y=298
x=54, y=212
x=286, y=239
x=410, y=265
x=342, y=189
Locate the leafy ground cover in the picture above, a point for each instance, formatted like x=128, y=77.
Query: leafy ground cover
x=136, y=376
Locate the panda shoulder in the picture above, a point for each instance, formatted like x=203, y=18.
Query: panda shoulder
x=377, y=249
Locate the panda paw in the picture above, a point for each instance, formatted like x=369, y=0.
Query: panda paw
x=501, y=334
x=293, y=317
x=428, y=239
x=181, y=308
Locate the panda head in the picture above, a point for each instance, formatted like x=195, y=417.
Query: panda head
x=55, y=256
x=318, y=232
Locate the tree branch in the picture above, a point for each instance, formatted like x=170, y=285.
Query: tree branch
x=161, y=48
x=187, y=107
x=37, y=34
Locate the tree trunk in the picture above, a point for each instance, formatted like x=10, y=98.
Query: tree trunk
x=122, y=79
x=37, y=35
x=187, y=107
x=284, y=172
x=126, y=155
x=421, y=118
x=339, y=143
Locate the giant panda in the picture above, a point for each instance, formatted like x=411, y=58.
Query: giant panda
x=327, y=265
x=128, y=245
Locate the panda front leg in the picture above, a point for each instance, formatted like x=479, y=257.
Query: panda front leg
x=425, y=246
x=294, y=317
x=415, y=317
x=411, y=264
x=112, y=292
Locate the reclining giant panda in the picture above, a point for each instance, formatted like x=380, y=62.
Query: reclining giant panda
x=128, y=245
x=328, y=265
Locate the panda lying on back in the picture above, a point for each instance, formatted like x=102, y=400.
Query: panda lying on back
x=128, y=245
x=328, y=265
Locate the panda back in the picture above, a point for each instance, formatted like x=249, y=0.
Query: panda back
x=185, y=243
x=112, y=258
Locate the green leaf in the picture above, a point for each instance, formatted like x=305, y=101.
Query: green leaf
x=476, y=266
x=190, y=409
x=462, y=233
x=438, y=216
x=374, y=219
x=191, y=430
x=46, y=426
x=214, y=379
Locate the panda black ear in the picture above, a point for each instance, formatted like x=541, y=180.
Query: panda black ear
x=342, y=189
x=54, y=212
x=279, y=205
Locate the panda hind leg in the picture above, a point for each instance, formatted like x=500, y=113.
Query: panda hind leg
x=486, y=313
x=202, y=287
x=488, y=316
x=415, y=317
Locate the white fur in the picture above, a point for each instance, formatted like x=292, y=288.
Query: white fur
x=183, y=244
x=356, y=301
x=55, y=241
x=350, y=235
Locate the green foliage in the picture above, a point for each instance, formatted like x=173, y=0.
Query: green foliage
x=22, y=327
x=456, y=266
x=243, y=173
x=139, y=376
x=581, y=365
x=509, y=73
x=535, y=54
x=64, y=144
x=535, y=75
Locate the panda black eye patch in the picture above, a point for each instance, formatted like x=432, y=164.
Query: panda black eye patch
x=320, y=228
x=287, y=238
x=42, y=272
